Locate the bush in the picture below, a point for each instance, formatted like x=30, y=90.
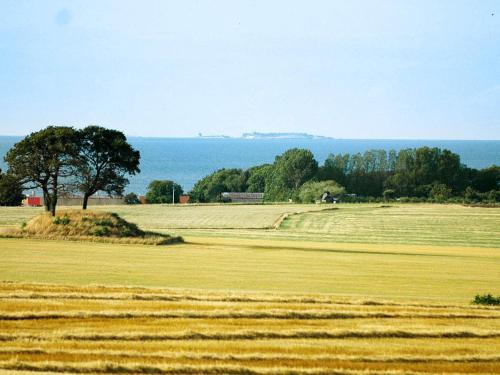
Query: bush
x=486, y=299
x=131, y=198
x=64, y=220
x=11, y=190
x=311, y=191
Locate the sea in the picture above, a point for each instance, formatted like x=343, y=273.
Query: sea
x=186, y=160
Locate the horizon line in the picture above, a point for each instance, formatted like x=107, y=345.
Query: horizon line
x=314, y=137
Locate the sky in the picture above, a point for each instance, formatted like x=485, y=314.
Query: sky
x=414, y=69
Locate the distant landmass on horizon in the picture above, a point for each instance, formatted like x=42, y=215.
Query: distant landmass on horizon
x=277, y=135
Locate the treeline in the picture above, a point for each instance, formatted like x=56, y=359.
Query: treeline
x=417, y=174
x=61, y=160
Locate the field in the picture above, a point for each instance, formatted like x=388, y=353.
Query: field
x=258, y=289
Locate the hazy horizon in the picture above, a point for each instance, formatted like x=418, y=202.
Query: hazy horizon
x=416, y=70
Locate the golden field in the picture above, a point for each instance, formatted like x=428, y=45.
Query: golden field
x=272, y=289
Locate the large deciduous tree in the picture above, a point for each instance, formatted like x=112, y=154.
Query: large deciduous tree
x=104, y=159
x=290, y=170
x=43, y=160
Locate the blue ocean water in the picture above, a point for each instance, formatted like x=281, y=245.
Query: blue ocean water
x=186, y=160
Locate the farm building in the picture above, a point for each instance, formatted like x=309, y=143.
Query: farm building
x=242, y=197
x=32, y=201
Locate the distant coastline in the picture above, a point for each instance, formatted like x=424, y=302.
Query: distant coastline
x=258, y=135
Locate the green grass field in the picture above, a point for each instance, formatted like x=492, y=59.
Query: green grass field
x=355, y=288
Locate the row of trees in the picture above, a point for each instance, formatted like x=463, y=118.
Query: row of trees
x=419, y=173
x=60, y=160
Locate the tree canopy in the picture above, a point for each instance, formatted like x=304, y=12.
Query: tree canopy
x=44, y=160
x=104, y=159
x=210, y=187
x=290, y=170
x=160, y=191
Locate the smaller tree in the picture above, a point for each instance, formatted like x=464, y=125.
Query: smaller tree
x=160, y=191
x=131, y=198
x=11, y=190
x=105, y=158
x=311, y=191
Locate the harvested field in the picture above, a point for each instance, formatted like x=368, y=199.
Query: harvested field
x=97, y=329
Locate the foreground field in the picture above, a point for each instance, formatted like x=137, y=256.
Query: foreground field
x=155, y=331
x=258, y=290
x=397, y=272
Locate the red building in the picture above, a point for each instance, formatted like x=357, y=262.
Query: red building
x=34, y=201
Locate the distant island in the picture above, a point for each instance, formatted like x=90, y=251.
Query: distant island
x=257, y=135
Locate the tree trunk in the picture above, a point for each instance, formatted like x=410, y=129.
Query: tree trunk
x=85, y=201
x=46, y=201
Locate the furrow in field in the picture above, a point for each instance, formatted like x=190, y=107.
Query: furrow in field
x=258, y=335
x=292, y=315
x=196, y=356
x=350, y=368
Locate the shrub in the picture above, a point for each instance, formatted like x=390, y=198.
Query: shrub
x=131, y=198
x=11, y=190
x=311, y=191
x=64, y=220
x=486, y=299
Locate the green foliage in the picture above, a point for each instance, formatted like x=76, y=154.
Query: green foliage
x=61, y=220
x=362, y=174
x=311, y=191
x=160, y=191
x=486, y=179
x=486, y=299
x=104, y=159
x=389, y=194
x=440, y=192
x=43, y=160
x=258, y=176
x=290, y=170
x=11, y=190
x=131, y=198
x=210, y=187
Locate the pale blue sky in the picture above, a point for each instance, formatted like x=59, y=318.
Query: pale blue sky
x=346, y=69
